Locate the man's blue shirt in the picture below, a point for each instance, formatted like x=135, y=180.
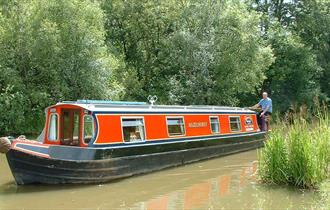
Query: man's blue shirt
x=266, y=102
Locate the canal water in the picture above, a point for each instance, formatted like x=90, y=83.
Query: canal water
x=223, y=183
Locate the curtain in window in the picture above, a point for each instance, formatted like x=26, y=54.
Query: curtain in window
x=52, y=136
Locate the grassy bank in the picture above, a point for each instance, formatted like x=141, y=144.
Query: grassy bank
x=297, y=154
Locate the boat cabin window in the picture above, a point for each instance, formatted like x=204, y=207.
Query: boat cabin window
x=88, y=128
x=175, y=126
x=133, y=129
x=70, y=127
x=53, y=127
x=235, y=123
x=215, y=125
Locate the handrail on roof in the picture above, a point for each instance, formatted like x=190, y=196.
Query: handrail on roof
x=105, y=102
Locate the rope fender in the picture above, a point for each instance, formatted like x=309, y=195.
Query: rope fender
x=5, y=145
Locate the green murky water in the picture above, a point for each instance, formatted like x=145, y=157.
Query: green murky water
x=223, y=183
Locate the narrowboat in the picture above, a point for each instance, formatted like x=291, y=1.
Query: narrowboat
x=92, y=141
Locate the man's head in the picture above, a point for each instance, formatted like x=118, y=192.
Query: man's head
x=264, y=95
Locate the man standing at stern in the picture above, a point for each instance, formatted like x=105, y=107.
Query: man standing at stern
x=266, y=110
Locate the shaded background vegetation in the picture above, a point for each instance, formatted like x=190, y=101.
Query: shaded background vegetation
x=215, y=52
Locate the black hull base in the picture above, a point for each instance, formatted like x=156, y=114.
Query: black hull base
x=28, y=169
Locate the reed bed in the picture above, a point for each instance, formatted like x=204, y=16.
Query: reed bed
x=297, y=153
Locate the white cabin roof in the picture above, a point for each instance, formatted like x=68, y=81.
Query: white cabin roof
x=117, y=106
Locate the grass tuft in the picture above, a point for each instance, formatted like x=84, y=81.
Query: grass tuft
x=297, y=154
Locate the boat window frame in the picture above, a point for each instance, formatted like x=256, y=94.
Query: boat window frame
x=183, y=122
x=83, y=129
x=219, y=130
x=71, y=118
x=240, y=124
x=57, y=129
x=122, y=129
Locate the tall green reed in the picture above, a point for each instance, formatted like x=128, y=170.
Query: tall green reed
x=297, y=154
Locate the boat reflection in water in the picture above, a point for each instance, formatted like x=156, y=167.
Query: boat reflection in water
x=206, y=193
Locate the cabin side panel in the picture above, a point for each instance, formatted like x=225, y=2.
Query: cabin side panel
x=244, y=126
x=108, y=129
x=224, y=124
x=155, y=126
x=197, y=125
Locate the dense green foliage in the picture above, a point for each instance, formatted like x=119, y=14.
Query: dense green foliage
x=49, y=51
x=298, y=32
x=191, y=52
x=297, y=154
x=185, y=52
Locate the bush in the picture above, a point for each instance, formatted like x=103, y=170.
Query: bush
x=297, y=154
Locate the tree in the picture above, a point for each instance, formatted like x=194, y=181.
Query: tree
x=190, y=52
x=293, y=78
x=298, y=33
x=49, y=51
x=313, y=26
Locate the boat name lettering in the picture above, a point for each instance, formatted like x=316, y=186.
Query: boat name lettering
x=197, y=124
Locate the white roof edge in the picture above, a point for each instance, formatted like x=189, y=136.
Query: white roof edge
x=156, y=108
